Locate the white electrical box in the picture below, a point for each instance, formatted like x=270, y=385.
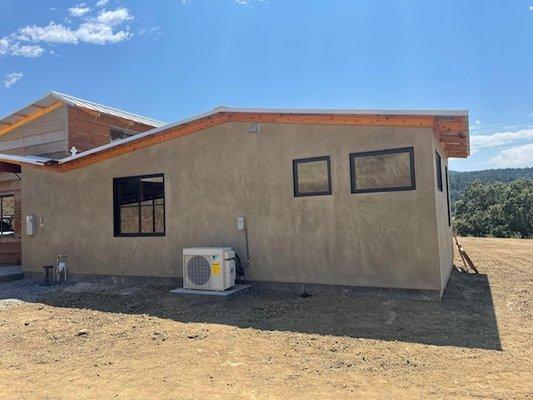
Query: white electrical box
x=240, y=223
x=31, y=224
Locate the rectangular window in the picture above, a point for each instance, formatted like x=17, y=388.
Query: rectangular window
x=448, y=196
x=312, y=176
x=383, y=170
x=118, y=134
x=139, y=205
x=438, y=165
x=7, y=215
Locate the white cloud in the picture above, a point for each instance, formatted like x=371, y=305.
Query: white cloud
x=79, y=10
x=4, y=46
x=94, y=30
x=519, y=156
x=499, y=139
x=154, y=31
x=115, y=17
x=30, y=51
x=478, y=122
x=96, y=33
x=17, y=49
x=101, y=3
x=51, y=33
x=104, y=27
x=530, y=8
x=12, y=78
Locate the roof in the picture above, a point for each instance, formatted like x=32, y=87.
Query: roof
x=55, y=100
x=450, y=127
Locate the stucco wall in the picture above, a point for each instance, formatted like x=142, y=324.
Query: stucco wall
x=443, y=227
x=374, y=239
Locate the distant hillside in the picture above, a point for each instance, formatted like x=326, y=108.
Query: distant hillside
x=460, y=180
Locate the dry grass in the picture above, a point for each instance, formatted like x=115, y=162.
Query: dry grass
x=143, y=343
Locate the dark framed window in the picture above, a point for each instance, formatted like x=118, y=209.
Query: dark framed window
x=7, y=215
x=139, y=205
x=438, y=165
x=448, y=195
x=383, y=170
x=311, y=176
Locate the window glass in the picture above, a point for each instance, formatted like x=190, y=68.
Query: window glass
x=448, y=196
x=438, y=169
x=386, y=170
x=117, y=134
x=139, y=206
x=7, y=214
x=312, y=176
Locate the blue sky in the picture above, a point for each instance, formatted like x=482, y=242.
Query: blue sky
x=171, y=59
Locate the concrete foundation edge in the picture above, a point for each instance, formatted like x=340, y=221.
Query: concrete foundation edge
x=288, y=287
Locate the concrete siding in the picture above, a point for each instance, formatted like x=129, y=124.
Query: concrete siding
x=374, y=239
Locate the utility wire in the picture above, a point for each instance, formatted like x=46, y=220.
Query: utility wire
x=502, y=125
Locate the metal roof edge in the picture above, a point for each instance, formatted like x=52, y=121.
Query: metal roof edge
x=33, y=160
x=341, y=111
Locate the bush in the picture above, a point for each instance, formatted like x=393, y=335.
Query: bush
x=495, y=209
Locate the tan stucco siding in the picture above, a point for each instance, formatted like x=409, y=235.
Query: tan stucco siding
x=443, y=228
x=384, y=239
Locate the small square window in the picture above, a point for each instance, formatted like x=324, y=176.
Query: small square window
x=383, y=170
x=438, y=165
x=312, y=176
x=139, y=205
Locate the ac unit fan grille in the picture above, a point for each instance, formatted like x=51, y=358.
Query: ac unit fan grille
x=198, y=270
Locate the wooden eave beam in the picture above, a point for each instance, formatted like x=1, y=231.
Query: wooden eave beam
x=333, y=119
x=30, y=117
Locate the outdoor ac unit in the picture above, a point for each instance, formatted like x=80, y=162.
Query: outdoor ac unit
x=208, y=268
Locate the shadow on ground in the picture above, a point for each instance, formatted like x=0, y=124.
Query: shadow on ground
x=465, y=317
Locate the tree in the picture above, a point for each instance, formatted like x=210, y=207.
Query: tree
x=495, y=209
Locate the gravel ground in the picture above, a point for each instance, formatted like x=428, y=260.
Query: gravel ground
x=86, y=341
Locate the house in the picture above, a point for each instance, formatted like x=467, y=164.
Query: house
x=330, y=197
x=48, y=128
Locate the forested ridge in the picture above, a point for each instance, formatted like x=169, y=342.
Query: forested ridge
x=494, y=202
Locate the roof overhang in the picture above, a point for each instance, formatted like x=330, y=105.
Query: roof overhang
x=55, y=100
x=449, y=127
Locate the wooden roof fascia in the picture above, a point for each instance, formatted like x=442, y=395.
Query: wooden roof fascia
x=442, y=128
x=334, y=119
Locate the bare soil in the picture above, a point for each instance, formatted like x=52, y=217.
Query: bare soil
x=88, y=341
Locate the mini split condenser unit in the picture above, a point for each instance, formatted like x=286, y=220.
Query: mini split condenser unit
x=208, y=268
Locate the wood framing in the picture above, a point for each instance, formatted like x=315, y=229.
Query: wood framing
x=31, y=117
x=88, y=129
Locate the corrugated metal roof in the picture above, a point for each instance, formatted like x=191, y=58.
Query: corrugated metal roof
x=35, y=160
x=52, y=97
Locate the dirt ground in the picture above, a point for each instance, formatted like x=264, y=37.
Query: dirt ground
x=89, y=341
